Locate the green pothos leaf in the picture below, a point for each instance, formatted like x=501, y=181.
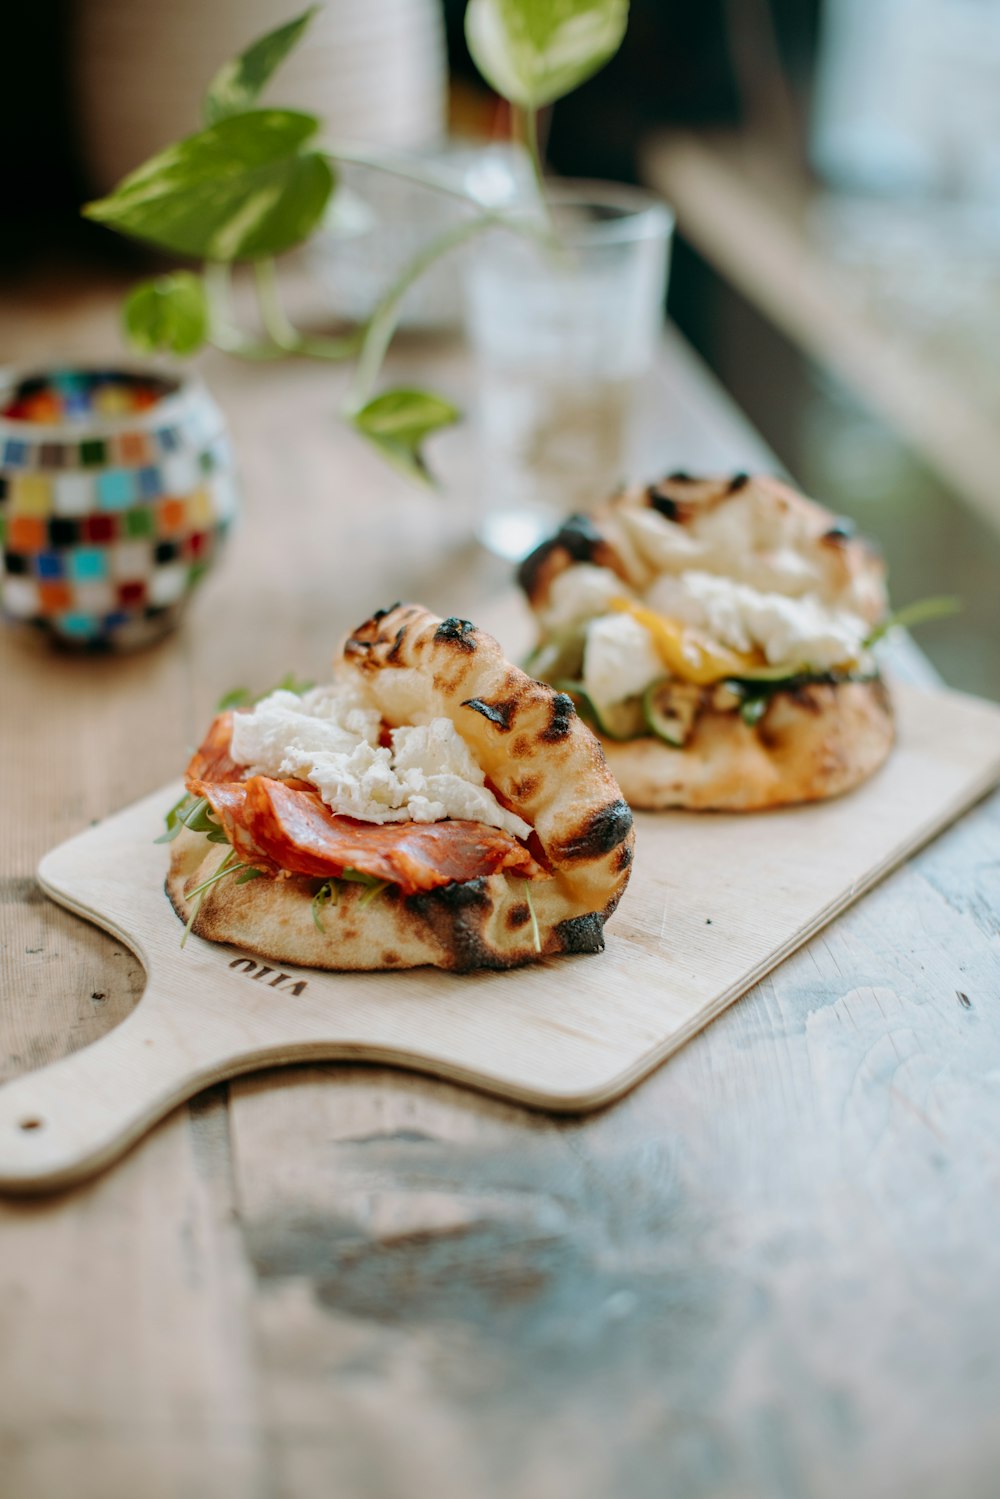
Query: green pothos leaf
x=169, y=313
x=534, y=51
x=241, y=189
x=237, y=84
x=398, y=422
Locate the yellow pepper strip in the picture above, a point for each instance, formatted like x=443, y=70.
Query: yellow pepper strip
x=686, y=652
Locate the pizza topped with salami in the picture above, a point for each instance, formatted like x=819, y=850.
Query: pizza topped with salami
x=432, y=804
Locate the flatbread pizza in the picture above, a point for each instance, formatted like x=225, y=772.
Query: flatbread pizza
x=431, y=805
x=716, y=634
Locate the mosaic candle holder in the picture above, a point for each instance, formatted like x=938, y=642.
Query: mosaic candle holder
x=116, y=491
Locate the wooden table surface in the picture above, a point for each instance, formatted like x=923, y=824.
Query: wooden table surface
x=771, y=1270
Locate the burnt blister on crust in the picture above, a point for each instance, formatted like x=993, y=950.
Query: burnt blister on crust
x=839, y=533
x=457, y=914
x=561, y=717
x=602, y=832
x=578, y=537
x=499, y=714
x=460, y=632
x=579, y=934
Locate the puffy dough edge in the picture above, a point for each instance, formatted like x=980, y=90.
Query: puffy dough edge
x=815, y=742
x=603, y=540
x=541, y=758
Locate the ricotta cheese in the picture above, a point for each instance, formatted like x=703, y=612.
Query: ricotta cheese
x=578, y=593
x=619, y=660
x=330, y=738
x=789, y=631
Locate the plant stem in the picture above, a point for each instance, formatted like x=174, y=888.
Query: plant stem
x=224, y=332
x=527, y=129
x=401, y=167
x=272, y=314
x=283, y=333
x=382, y=323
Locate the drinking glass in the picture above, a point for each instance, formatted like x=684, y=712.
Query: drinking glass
x=564, y=325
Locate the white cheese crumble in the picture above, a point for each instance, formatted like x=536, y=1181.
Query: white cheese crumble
x=578, y=593
x=789, y=631
x=330, y=738
x=619, y=660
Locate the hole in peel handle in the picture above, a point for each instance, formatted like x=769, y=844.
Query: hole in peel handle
x=67, y=1120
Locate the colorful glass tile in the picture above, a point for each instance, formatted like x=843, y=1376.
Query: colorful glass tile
x=52, y=455
x=139, y=522
x=166, y=551
x=170, y=516
x=116, y=619
x=26, y=533
x=31, y=494
x=131, y=595
x=15, y=453
x=167, y=584
x=130, y=559
x=169, y=439
x=3, y=488
x=20, y=597
x=73, y=494
x=94, y=452
x=15, y=564
x=200, y=513
x=196, y=546
x=78, y=626
x=100, y=528
x=63, y=532
x=3, y=529
x=94, y=598
x=49, y=565
x=151, y=485
x=87, y=563
x=116, y=489
x=180, y=474
x=133, y=448
x=55, y=596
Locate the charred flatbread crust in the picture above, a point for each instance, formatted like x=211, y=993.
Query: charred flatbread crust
x=543, y=763
x=812, y=742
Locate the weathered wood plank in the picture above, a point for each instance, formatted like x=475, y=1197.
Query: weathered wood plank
x=126, y=1355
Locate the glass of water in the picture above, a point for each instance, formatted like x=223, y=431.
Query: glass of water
x=564, y=325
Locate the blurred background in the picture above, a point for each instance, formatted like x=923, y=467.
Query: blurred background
x=834, y=166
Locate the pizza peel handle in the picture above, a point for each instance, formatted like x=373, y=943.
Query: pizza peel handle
x=67, y=1120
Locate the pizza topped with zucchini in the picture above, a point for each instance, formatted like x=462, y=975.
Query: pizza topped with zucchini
x=430, y=805
x=717, y=635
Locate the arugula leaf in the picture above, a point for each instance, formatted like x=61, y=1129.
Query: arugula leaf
x=170, y=312
x=913, y=614
x=240, y=189
x=536, y=936
x=242, y=697
x=534, y=51
x=236, y=85
x=397, y=422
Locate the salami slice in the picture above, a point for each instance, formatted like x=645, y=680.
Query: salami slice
x=212, y=761
x=275, y=824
